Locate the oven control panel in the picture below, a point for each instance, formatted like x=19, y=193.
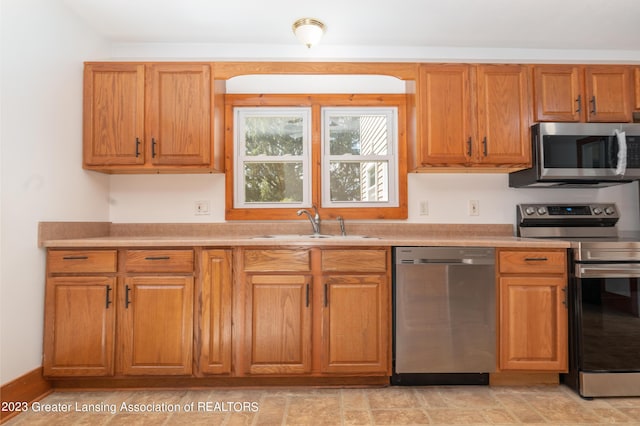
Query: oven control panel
x=567, y=212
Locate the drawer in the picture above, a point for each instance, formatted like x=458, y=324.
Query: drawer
x=82, y=261
x=159, y=261
x=354, y=260
x=533, y=262
x=277, y=260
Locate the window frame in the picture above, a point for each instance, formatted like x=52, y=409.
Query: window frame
x=316, y=102
x=241, y=113
x=392, y=147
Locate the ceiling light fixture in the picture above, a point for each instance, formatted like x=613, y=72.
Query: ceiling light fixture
x=308, y=30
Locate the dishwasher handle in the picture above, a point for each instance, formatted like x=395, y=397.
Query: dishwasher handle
x=465, y=261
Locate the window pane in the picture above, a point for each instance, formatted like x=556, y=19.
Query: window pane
x=273, y=182
x=277, y=136
x=362, y=134
x=359, y=181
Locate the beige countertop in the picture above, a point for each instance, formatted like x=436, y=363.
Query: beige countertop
x=104, y=234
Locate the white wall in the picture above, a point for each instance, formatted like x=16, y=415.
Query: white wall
x=43, y=48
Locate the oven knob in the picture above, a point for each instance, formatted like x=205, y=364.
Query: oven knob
x=609, y=210
x=529, y=211
x=597, y=210
x=542, y=211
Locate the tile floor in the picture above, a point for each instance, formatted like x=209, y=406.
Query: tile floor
x=437, y=405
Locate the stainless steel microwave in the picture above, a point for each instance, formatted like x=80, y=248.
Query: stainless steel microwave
x=581, y=154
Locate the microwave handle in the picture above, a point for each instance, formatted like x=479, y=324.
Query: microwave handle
x=621, y=168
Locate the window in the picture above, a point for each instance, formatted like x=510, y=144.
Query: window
x=342, y=153
x=359, y=157
x=273, y=154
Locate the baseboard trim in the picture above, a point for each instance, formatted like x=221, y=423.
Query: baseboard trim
x=509, y=378
x=26, y=388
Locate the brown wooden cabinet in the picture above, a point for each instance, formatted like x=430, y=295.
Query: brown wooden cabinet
x=102, y=320
x=80, y=314
x=213, y=337
x=150, y=118
x=355, y=317
x=532, y=310
x=636, y=73
x=316, y=312
x=593, y=93
x=472, y=115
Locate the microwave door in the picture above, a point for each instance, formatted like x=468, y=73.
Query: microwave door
x=579, y=157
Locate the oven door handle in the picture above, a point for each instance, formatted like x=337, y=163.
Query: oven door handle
x=614, y=270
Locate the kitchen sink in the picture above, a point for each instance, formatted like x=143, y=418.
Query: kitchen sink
x=312, y=237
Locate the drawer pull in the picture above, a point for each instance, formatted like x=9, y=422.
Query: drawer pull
x=75, y=258
x=108, y=301
x=157, y=258
x=535, y=259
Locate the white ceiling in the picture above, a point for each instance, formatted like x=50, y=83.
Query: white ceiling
x=534, y=24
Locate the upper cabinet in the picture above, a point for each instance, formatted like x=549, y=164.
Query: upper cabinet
x=593, y=93
x=149, y=118
x=636, y=104
x=472, y=116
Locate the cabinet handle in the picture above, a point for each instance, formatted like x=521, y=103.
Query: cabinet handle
x=326, y=295
x=593, y=105
x=153, y=147
x=469, y=147
x=157, y=258
x=307, y=296
x=127, y=302
x=137, y=147
x=108, y=300
x=535, y=259
x=75, y=258
x=579, y=102
x=564, y=290
x=484, y=146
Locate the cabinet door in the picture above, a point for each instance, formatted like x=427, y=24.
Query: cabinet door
x=558, y=93
x=156, y=325
x=608, y=92
x=533, y=323
x=178, y=115
x=355, y=329
x=278, y=324
x=446, y=135
x=113, y=122
x=637, y=88
x=79, y=326
x=503, y=115
x=214, y=316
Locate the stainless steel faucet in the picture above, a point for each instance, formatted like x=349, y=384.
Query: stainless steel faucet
x=314, y=219
x=343, y=230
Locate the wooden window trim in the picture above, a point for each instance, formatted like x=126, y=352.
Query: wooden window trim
x=316, y=102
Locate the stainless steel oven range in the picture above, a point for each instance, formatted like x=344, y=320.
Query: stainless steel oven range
x=603, y=294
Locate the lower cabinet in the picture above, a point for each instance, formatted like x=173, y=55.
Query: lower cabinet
x=532, y=289
x=322, y=313
x=101, y=320
x=79, y=326
x=278, y=328
x=355, y=326
x=156, y=325
x=213, y=315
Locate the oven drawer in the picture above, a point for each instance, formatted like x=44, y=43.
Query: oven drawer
x=533, y=262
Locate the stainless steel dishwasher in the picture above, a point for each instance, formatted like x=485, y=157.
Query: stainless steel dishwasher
x=444, y=315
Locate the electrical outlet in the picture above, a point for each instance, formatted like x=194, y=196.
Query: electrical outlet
x=201, y=208
x=474, y=208
x=424, y=208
